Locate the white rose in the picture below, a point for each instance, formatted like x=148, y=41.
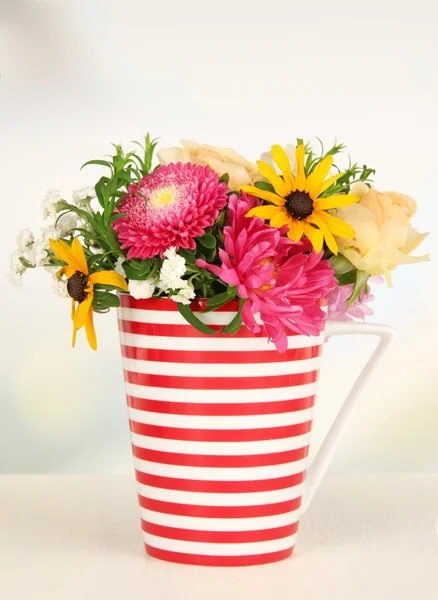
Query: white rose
x=49, y=203
x=141, y=289
x=185, y=294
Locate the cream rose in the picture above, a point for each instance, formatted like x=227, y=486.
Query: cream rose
x=384, y=236
x=220, y=160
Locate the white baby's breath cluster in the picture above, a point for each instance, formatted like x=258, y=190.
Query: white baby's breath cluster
x=169, y=281
x=34, y=252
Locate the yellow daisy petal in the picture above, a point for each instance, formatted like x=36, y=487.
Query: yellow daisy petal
x=67, y=271
x=315, y=179
x=337, y=226
x=326, y=184
x=63, y=251
x=82, y=310
x=280, y=219
x=73, y=310
x=269, y=173
x=264, y=212
x=296, y=230
x=335, y=201
x=300, y=176
x=90, y=331
x=263, y=194
x=328, y=236
x=108, y=278
x=282, y=161
x=78, y=252
x=315, y=236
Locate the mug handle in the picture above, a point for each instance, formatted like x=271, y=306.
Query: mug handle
x=328, y=448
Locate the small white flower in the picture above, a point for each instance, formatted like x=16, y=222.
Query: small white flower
x=49, y=203
x=141, y=289
x=15, y=278
x=185, y=294
x=25, y=239
x=66, y=223
x=172, y=270
x=81, y=197
x=97, y=250
x=16, y=269
x=59, y=287
x=118, y=267
x=41, y=253
x=290, y=151
x=48, y=233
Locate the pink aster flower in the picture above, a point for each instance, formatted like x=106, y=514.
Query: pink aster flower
x=338, y=299
x=174, y=205
x=282, y=280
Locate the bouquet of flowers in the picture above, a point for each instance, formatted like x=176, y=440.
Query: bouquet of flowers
x=285, y=236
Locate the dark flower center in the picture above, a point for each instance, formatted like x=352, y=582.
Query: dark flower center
x=76, y=286
x=299, y=205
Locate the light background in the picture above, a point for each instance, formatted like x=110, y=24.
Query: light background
x=76, y=76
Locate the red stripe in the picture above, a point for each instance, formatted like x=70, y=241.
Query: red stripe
x=219, y=537
x=221, y=357
x=216, y=410
x=217, y=561
x=220, y=435
x=218, y=461
x=220, y=487
x=220, y=383
x=219, y=512
x=183, y=331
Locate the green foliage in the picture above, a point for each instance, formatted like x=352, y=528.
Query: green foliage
x=264, y=185
x=220, y=299
x=186, y=311
x=234, y=326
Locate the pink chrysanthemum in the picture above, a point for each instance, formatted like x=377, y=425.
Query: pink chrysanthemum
x=338, y=300
x=282, y=280
x=174, y=205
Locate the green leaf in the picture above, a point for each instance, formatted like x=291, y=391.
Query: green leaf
x=188, y=255
x=225, y=178
x=208, y=241
x=346, y=278
x=359, y=285
x=264, y=185
x=191, y=318
x=235, y=324
x=340, y=264
x=102, y=163
x=106, y=299
x=220, y=299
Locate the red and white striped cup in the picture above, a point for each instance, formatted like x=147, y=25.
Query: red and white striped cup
x=220, y=432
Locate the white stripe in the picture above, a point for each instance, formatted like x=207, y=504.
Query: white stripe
x=240, y=422
x=209, y=499
x=221, y=448
x=215, y=344
x=222, y=370
x=221, y=396
x=220, y=473
x=219, y=549
x=169, y=317
x=211, y=524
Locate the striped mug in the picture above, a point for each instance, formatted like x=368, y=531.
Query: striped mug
x=220, y=432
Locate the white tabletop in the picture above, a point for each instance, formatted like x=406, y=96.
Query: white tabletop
x=78, y=538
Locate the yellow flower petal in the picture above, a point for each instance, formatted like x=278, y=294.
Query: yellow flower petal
x=326, y=184
x=300, y=176
x=90, y=331
x=108, y=278
x=335, y=201
x=337, y=226
x=63, y=251
x=264, y=212
x=282, y=161
x=73, y=310
x=296, y=229
x=263, y=194
x=315, y=179
x=81, y=312
x=328, y=236
x=67, y=271
x=315, y=236
x=269, y=173
x=79, y=254
x=280, y=219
